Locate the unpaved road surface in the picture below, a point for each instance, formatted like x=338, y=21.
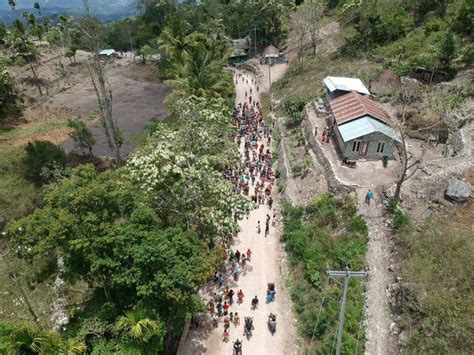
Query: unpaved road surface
x=265, y=266
x=378, y=317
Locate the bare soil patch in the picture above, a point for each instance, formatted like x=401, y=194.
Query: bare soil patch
x=137, y=98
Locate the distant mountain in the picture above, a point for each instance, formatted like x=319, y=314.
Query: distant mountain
x=106, y=10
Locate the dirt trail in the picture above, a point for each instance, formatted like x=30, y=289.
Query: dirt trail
x=377, y=314
x=266, y=266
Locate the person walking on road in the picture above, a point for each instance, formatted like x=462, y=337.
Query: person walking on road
x=368, y=197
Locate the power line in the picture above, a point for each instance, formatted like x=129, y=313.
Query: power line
x=317, y=318
x=347, y=276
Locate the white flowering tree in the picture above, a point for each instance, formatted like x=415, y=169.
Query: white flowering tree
x=181, y=168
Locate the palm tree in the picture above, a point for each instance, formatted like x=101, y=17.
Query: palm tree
x=140, y=329
x=202, y=72
x=30, y=340
x=73, y=347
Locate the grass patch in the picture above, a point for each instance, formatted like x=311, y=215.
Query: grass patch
x=437, y=299
x=31, y=130
x=18, y=196
x=401, y=220
x=326, y=234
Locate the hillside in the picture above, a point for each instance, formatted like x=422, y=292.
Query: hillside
x=105, y=10
x=391, y=46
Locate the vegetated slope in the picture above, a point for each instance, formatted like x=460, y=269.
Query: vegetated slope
x=326, y=233
x=434, y=313
x=378, y=34
x=435, y=295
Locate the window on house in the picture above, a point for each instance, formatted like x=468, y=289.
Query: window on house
x=380, y=147
x=356, y=146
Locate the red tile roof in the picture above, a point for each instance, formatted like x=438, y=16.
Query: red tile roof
x=350, y=106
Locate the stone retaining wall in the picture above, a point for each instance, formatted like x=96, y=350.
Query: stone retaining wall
x=334, y=185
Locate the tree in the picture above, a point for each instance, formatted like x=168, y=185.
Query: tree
x=313, y=9
x=9, y=107
x=41, y=157
x=81, y=135
x=142, y=331
x=103, y=93
x=29, y=339
x=408, y=99
x=19, y=40
x=299, y=24
x=448, y=49
x=194, y=63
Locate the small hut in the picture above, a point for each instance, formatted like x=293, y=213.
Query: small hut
x=271, y=55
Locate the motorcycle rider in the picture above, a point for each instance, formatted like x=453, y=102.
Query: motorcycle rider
x=238, y=347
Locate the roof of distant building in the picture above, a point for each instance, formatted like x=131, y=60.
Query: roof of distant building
x=107, y=52
x=271, y=51
x=354, y=105
x=364, y=126
x=334, y=83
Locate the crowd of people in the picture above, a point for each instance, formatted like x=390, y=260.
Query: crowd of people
x=254, y=177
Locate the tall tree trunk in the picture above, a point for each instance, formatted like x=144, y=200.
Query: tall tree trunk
x=24, y=296
x=403, y=175
x=35, y=75
x=104, y=97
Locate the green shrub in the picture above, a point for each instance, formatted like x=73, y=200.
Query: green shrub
x=294, y=107
x=41, y=158
x=327, y=233
x=401, y=220
x=466, y=55
x=435, y=25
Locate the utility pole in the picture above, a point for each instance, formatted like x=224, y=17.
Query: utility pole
x=255, y=39
x=347, y=275
x=270, y=83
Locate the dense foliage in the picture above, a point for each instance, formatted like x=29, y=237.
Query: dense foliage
x=9, y=102
x=42, y=158
x=194, y=63
x=146, y=236
x=418, y=33
x=326, y=233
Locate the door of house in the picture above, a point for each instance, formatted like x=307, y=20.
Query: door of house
x=363, y=148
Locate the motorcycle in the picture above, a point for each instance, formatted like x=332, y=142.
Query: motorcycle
x=238, y=347
x=248, y=327
x=349, y=163
x=272, y=323
x=254, y=303
x=271, y=292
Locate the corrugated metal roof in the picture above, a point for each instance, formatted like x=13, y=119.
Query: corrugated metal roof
x=107, y=52
x=364, y=126
x=348, y=107
x=345, y=84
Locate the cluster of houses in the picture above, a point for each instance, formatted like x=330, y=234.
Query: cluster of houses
x=361, y=127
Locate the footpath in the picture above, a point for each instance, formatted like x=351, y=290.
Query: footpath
x=265, y=267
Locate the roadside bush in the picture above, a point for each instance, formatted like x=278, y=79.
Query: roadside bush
x=294, y=107
x=43, y=156
x=327, y=233
x=401, y=220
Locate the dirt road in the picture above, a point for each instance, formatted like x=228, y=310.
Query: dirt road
x=377, y=314
x=265, y=267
